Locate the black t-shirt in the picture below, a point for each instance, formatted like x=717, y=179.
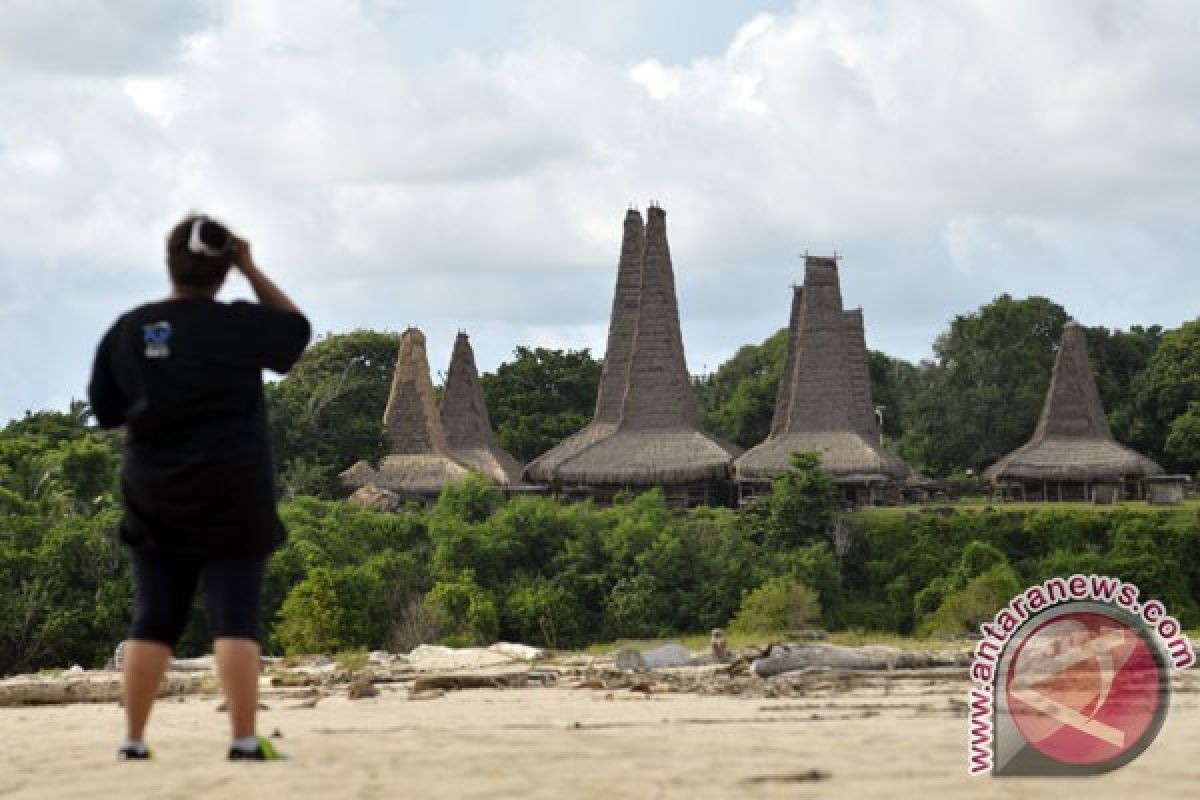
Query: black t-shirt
x=185, y=378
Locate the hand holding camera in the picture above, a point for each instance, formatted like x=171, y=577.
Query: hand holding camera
x=242, y=258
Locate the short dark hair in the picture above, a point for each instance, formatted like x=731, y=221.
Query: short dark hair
x=196, y=270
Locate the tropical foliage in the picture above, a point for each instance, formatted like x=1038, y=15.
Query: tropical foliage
x=477, y=566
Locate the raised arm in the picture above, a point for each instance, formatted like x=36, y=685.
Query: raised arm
x=265, y=290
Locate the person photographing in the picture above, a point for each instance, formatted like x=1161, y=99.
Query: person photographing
x=184, y=376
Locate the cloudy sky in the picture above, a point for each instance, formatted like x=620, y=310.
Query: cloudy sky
x=468, y=165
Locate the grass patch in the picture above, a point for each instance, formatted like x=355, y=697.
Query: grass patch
x=351, y=660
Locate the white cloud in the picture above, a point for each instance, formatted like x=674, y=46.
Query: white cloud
x=390, y=171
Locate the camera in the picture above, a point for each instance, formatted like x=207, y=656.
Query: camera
x=211, y=238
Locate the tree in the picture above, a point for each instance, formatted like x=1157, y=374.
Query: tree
x=466, y=610
x=895, y=385
x=327, y=413
x=781, y=604
x=987, y=387
x=1164, y=393
x=799, y=509
x=311, y=619
x=540, y=398
x=52, y=426
x=1119, y=358
x=1183, y=438
x=739, y=398
x=88, y=469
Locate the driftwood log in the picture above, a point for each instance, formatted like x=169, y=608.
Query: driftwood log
x=507, y=680
x=789, y=658
x=106, y=688
x=669, y=655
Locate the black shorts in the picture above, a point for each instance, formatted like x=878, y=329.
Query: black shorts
x=164, y=585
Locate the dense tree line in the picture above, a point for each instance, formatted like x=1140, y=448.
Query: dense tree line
x=477, y=567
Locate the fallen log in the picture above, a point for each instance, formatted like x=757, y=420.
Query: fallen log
x=102, y=688
x=789, y=658
x=507, y=680
x=669, y=655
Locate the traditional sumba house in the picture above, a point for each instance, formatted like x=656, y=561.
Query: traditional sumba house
x=646, y=430
x=824, y=399
x=469, y=435
x=1072, y=455
x=419, y=464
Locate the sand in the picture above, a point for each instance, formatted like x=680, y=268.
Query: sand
x=883, y=741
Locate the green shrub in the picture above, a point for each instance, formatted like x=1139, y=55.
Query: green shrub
x=964, y=609
x=541, y=612
x=631, y=611
x=780, y=604
x=465, y=610
x=311, y=619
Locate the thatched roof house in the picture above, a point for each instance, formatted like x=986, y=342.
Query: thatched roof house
x=418, y=464
x=1072, y=447
x=647, y=427
x=469, y=435
x=824, y=398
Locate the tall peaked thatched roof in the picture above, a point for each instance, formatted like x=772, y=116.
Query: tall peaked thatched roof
x=469, y=434
x=863, y=418
x=647, y=424
x=419, y=461
x=623, y=323
x=659, y=394
x=824, y=399
x=411, y=423
x=1072, y=441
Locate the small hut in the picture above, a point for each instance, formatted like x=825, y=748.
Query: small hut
x=1166, y=490
x=470, y=439
x=418, y=465
x=646, y=430
x=824, y=399
x=1072, y=455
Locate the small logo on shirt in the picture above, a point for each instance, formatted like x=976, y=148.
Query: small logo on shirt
x=157, y=336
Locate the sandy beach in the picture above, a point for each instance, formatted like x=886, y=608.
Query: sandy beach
x=879, y=738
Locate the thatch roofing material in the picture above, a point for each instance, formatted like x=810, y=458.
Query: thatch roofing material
x=824, y=400
x=863, y=416
x=357, y=476
x=425, y=473
x=646, y=429
x=1072, y=441
x=420, y=462
x=469, y=435
x=545, y=468
x=623, y=324
x=783, y=399
x=411, y=423
x=844, y=454
x=659, y=395
x=641, y=457
x=376, y=499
